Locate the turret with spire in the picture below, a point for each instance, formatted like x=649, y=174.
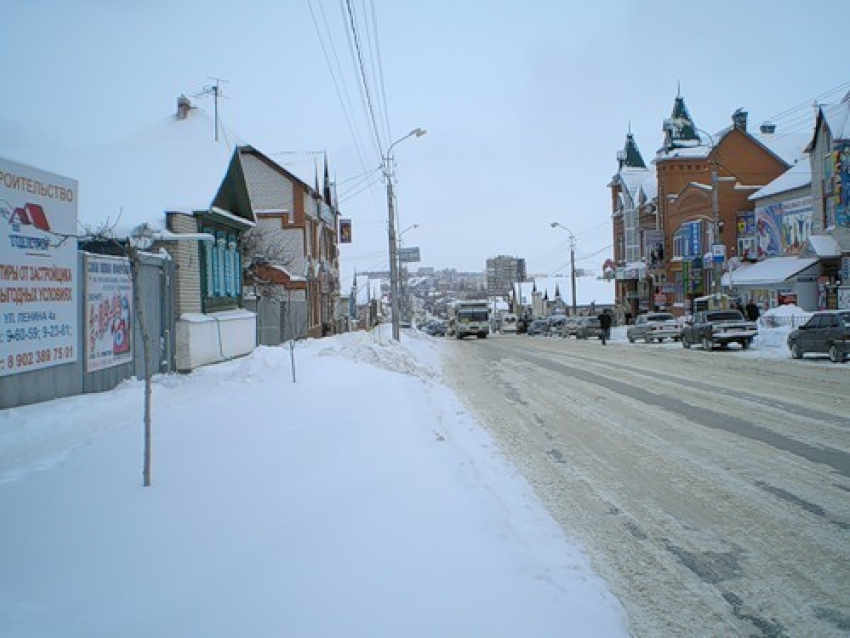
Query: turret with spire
x=630, y=156
x=679, y=129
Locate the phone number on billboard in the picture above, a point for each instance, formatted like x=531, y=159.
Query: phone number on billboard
x=27, y=359
x=30, y=334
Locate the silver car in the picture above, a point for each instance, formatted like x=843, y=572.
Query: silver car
x=654, y=326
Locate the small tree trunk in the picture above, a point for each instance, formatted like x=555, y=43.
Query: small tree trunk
x=135, y=267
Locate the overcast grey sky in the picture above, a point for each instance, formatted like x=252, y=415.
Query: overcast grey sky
x=525, y=103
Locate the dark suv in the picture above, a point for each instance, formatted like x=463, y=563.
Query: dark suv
x=826, y=332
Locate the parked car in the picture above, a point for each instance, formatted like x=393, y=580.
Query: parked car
x=589, y=327
x=555, y=323
x=826, y=332
x=538, y=327
x=711, y=328
x=435, y=328
x=570, y=327
x=654, y=326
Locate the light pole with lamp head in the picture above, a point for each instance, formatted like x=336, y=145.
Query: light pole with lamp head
x=391, y=231
x=572, y=261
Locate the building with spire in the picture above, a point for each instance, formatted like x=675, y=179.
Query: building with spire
x=675, y=227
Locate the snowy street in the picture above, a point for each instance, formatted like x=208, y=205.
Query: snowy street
x=360, y=501
x=710, y=488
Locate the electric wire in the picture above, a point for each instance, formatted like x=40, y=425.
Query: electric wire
x=367, y=94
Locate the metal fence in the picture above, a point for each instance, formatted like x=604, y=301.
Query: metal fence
x=771, y=321
x=158, y=301
x=279, y=321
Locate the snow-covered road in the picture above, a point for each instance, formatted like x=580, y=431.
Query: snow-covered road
x=711, y=489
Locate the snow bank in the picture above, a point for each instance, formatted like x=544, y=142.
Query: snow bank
x=360, y=501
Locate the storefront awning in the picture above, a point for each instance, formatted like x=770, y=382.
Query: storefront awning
x=773, y=270
x=825, y=246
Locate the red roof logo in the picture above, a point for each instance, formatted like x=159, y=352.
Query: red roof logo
x=31, y=215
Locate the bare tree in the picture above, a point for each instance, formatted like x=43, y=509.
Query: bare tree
x=264, y=249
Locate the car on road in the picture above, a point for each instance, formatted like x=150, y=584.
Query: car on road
x=570, y=327
x=556, y=324
x=538, y=327
x=710, y=328
x=508, y=324
x=654, y=326
x=435, y=328
x=826, y=332
x=589, y=327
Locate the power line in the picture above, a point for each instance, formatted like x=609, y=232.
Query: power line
x=365, y=82
x=340, y=86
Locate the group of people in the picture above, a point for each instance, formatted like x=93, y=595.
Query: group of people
x=750, y=311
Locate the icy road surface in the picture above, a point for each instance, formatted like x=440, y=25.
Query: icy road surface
x=711, y=489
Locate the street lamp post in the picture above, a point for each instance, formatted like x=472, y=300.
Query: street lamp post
x=391, y=231
x=572, y=261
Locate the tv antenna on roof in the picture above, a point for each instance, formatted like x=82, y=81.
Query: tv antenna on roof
x=215, y=91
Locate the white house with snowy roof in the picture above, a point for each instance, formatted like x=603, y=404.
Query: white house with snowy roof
x=185, y=174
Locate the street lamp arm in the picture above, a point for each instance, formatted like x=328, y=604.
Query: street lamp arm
x=418, y=132
x=559, y=225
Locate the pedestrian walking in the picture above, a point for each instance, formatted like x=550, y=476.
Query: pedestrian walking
x=605, y=325
x=752, y=311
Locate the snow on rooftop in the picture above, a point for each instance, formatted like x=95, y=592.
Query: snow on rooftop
x=772, y=270
x=825, y=245
x=171, y=165
x=798, y=176
x=837, y=117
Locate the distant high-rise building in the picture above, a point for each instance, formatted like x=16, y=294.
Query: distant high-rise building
x=502, y=273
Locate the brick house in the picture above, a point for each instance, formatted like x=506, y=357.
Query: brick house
x=666, y=229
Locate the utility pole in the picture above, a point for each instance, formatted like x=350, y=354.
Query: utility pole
x=391, y=232
x=715, y=205
x=573, y=270
x=393, y=259
x=572, y=262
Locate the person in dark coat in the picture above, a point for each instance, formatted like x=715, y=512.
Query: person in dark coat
x=752, y=310
x=605, y=324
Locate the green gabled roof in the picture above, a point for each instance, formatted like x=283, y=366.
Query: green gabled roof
x=630, y=156
x=679, y=129
x=232, y=195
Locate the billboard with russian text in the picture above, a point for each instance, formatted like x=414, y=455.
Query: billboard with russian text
x=109, y=312
x=38, y=269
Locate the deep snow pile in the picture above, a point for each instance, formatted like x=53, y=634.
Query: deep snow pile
x=360, y=501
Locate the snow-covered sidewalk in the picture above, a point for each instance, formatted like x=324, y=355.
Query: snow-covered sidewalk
x=360, y=501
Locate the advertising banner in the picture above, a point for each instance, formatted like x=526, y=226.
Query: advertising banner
x=842, y=171
x=653, y=248
x=694, y=239
x=344, y=231
x=38, y=269
x=109, y=312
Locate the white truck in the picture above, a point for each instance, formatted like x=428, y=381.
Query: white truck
x=472, y=318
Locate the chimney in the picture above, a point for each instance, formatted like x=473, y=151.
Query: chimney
x=768, y=128
x=183, y=106
x=739, y=119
